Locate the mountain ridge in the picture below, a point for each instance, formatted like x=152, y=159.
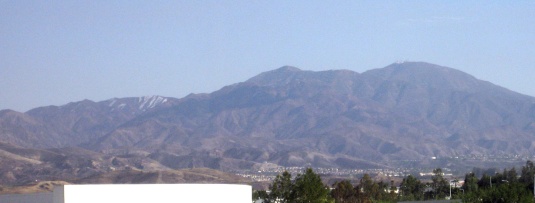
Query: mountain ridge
x=294, y=117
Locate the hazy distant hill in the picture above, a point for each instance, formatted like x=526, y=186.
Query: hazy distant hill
x=291, y=117
x=73, y=123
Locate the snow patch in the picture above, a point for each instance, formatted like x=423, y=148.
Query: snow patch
x=112, y=102
x=149, y=102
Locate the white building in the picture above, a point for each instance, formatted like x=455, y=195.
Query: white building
x=139, y=193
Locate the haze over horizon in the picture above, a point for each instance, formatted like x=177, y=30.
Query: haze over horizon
x=52, y=53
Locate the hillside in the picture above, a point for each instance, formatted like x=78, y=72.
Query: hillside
x=338, y=118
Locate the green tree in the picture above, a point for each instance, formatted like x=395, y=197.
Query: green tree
x=484, y=182
x=392, y=195
x=411, y=189
x=308, y=188
x=498, y=179
x=344, y=192
x=373, y=191
x=281, y=188
x=260, y=194
x=527, y=173
x=512, y=176
x=380, y=191
x=440, y=185
x=470, y=183
x=505, y=187
x=367, y=187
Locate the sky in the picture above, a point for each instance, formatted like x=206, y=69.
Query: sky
x=56, y=52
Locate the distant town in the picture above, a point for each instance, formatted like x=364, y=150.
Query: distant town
x=270, y=171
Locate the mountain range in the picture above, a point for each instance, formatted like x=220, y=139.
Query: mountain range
x=405, y=112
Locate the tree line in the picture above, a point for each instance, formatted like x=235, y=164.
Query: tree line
x=479, y=186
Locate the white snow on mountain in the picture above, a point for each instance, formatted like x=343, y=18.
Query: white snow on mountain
x=149, y=102
x=112, y=102
x=142, y=103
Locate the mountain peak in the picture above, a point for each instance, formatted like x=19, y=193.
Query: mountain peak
x=287, y=69
x=428, y=74
x=274, y=77
x=413, y=64
x=8, y=112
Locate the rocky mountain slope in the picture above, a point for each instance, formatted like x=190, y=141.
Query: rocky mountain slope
x=73, y=123
x=291, y=117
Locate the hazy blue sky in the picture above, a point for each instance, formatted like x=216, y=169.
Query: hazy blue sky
x=55, y=52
